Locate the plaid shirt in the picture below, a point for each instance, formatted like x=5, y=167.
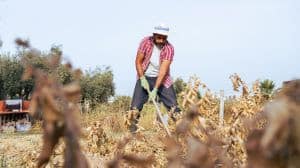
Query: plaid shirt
x=167, y=53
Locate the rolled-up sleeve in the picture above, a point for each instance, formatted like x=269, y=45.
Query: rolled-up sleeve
x=168, y=53
x=143, y=45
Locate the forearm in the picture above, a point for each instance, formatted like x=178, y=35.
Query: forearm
x=160, y=79
x=138, y=64
x=139, y=70
x=162, y=73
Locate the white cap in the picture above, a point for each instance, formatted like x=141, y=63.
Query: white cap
x=161, y=29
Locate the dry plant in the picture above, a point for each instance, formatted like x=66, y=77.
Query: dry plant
x=122, y=156
x=252, y=134
x=58, y=105
x=221, y=144
x=277, y=144
x=97, y=139
x=205, y=127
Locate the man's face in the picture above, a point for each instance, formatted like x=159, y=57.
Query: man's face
x=160, y=40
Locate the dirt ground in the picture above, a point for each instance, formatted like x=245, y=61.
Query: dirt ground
x=22, y=149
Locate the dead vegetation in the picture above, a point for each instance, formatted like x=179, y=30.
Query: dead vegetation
x=59, y=106
x=256, y=132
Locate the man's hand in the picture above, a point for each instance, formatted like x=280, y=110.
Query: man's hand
x=153, y=94
x=145, y=83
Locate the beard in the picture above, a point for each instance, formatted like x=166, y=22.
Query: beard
x=159, y=45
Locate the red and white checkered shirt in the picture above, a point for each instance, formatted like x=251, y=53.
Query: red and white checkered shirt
x=167, y=53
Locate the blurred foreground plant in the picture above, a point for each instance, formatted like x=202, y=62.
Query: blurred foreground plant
x=59, y=106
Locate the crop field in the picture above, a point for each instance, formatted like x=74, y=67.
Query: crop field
x=149, y=84
x=257, y=131
x=247, y=129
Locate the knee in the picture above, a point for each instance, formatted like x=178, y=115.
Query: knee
x=175, y=109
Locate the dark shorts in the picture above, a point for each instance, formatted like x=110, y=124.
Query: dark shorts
x=165, y=95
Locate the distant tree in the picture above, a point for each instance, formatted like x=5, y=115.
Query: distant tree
x=64, y=75
x=179, y=85
x=2, y=94
x=97, y=86
x=267, y=87
x=11, y=84
x=56, y=49
x=11, y=71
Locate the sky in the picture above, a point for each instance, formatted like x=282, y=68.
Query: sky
x=258, y=39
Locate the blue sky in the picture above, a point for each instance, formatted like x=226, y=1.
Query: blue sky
x=257, y=39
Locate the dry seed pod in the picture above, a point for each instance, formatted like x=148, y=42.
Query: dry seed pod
x=245, y=90
x=276, y=145
x=255, y=87
x=22, y=43
x=59, y=113
x=72, y=91
x=278, y=118
x=236, y=81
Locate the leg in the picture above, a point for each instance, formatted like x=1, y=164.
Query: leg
x=140, y=97
x=168, y=97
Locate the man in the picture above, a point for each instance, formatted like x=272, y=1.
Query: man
x=154, y=57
